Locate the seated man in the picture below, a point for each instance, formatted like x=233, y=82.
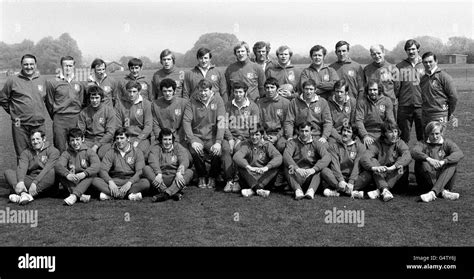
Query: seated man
x=258, y=162
x=135, y=115
x=384, y=162
x=120, y=170
x=343, y=172
x=342, y=108
x=304, y=158
x=168, y=169
x=436, y=161
x=77, y=167
x=35, y=172
x=98, y=122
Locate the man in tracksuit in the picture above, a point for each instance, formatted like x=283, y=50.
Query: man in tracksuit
x=257, y=162
x=121, y=169
x=206, y=70
x=349, y=70
x=168, y=169
x=135, y=66
x=409, y=92
x=100, y=78
x=385, y=162
x=309, y=107
x=247, y=71
x=436, y=162
x=64, y=101
x=321, y=73
x=342, y=107
x=35, y=171
x=77, y=167
x=23, y=97
x=287, y=75
x=261, y=50
x=438, y=92
x=384, y=73
x=98, y=122
x=372, y=111
x=167, y=59
x=304, y=159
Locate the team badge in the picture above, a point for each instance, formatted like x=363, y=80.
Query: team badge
x=261, y=155
x=144, y=86
x=139, y=111
x=445, y=107
x=441, y=153
x=213, y=106
x=317, y=109
x=101, y=120
x=347, y=109
x=44, y=158
x=384, y=76
x=279, y=112
x=213, y=77
x=352, y=155
x=421, y=71
x=177, y=112
x=382, y=108
x=246, y=113
x=310, y=153
x=130, y=160
x=84, y=163
x=291, y=76
x=77, y=87
x=326, y=78
x=173, y=159
x=394, y=153
x=435, y=83
x=250, y=75
x=40, y=87
x=178, y=83
x=107, y=88
x=351, y=73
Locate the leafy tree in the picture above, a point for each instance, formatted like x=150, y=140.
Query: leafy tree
x=221, y=45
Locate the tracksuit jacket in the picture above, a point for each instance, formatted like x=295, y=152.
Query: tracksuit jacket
x=284, y=75
x=63, y=97
x=98, y=124
x=215, y=76
x=339, y=114
x=169, y=114
x=272, y=114
x=241, y=119
x=145, y=91
x=382, y=154
x=324, y=78
x=251, y=74
x=130, y=166
x=161, y=74
x=345, y=160
x=38, y=164
x=438, y=93
x=137, y=117
x=370, y=115
x=352, y=73
x=72, y=161
x=387, y=75
x=264, y=154
x=165, y=162
x=311, y=154
x=111, y=89
x=446, y=150
x=409, y=92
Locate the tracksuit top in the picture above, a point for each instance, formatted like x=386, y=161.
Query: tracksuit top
x=130, y=166
x=345, y=160
x=272, y=114
x=63, y=97
x=386, y=74
x=438, y=93
x=111, y=89
x=324, y=78
x=169, y=114
x=264, y=154
x=317, y=113
x=145, y=91
x=205, y=122
x=136, y=117
x=284, y=75
x=446, y=150
x=23, y=98
x=382, y=154
x=165, y=162
x=215, y=76
x=409, y=93
x=98, y=124
x=370, y=115
x=341, y=114
x=38, y=164
x=251, y=74
x=312, y=154
x=161, y=74
x=352, y=73
x=72, y=161
x=240, y=120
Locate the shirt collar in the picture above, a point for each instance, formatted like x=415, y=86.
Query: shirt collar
x=309, y=141
x=441, y=141
x=245, y=104
x=139, y=99
x=315, y=98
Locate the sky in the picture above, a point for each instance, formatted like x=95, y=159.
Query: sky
x=111, y=29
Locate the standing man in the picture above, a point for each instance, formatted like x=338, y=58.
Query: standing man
x=168, y=60
x=348, y=70
x=287, y=75
x=23, y=97
x=100, y=78
x=247, y=71
x=64, y=101
x=261, y=50
x=409, y=92
x=135, y=66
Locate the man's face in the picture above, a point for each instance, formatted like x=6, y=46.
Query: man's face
x=241, y=54
x=412, y=52
x=391, y=136
x=342, y=53
x=239, y=95
x=318, y=57
x=346, y=134
x=168, y=93
x=305, y=133
x=68, y=67
x=435, y=135
x=261, y=54
x=95, y=100
x=373, y=92
x=256, y=137
x=37, y=141
x=100, y=71
x=205, y=94
x=135, y=70
x=122, y=141
x=340, y=94
x=133, y=94
x=284, y=57
x=271, y=90
x=204, y=61
x=309, y=91
x=167, y=141
x=377, y=55
x=429, y=63
x=76, y=143
x=28, y=66
x=167, y=62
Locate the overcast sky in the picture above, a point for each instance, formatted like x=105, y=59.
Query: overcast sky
x=110, y=29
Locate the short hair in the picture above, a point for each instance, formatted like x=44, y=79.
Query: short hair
x=411, y=42
x=317, y=48
x=272, y=81
x=37, y=130
x=135, y=62
x=204, y=83
x=342, y=43
x=353, y=128
x=261, y=44
x=121, y=131
x=165, y=132
x=167, y=83
x=432, y=125
x=75, y=133
x=27, y=56
x=388, y=126
x=304, y=124
x=98, y=62
x=379, y=46
x=66, y=58
x=167, y=52
x=340, y=83
x=241, y=44
x=309, y=82
x=240, y=85
x=258, y=128
x=283, y=48
x=133, y=84
x=428, y=54
x=203, y=51
x=96, y=90
x=372, y=82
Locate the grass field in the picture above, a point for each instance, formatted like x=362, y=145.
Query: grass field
x=213, y=218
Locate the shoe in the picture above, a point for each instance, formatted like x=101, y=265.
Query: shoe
x=374, y=194
x=228, y=187
x=135, y=196
x=25, y=198
x=299, y=194
x=309, y=194
x=104, y=197
x=430, y=196
x=85, y=198
x=236, y=187
x=161, y=197
x=212, y=183
x=202, y=183
x=348, y=190
x=449, y=195
x=14, y=198
x=357, y=195
x=263, y=193
x=387, y=196
x=70, y=200
x=247, y=192
x=177, y=196
x=330, y=193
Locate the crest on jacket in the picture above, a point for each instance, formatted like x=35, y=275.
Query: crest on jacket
x=310, y=153
x=291, y=76
x=177, y=112
x=101, y=120
x=40, y=87
x=77, y=87
x=107, y=88
x=213, y=107
x=139, y=111
x=351, y=73
x=174, y=159
x=326, y=77
x=84, y=163
x=213, y=77
x=144, y=86
x=130, y=160
x=261, y=155
x=317, y=109
x=279, y=112
x=382, y=108
x=44, y=159
x=352, y=155
x=441, y=153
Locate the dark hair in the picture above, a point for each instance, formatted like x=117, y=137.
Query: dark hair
x=342, y=43
x=135, y=62
x=66, y=58
x=388, y=126
x=204, y=83
x=259, y=45
x=353, y=128
x=272, y=81
x=165, y=132
x=38, y=130
x=340, y=83
x=428, y=54
x=27, y=56
x=411, y=42
x=304, y=124
x=121, y=131
x=203, y=51
x=240, y=85
x=98, y=62
x=133, y=84
x=96, y=90
x=75, y=133
x=167, y=52
x=317, y=48
x=372, y=82
x=167, y=83
x=309, y=82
